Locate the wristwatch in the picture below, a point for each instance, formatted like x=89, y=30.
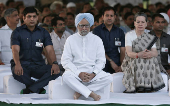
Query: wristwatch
x=55, y=62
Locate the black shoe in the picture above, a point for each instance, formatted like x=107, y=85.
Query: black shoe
x=25, y=91
x=42, y=91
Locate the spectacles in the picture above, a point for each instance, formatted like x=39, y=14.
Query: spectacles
x=82, y=26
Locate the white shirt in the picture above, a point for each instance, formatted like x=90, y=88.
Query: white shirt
x=5, y=49
x=83, y=54
x=130, y=37
x=58, y=43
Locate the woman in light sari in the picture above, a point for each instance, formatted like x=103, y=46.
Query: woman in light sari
x=140, y=65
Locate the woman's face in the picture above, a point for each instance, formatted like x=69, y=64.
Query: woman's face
x=140, y=23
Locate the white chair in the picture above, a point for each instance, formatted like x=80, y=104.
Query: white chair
x=118, y=87
x=60, y=90
x=12, y=86
x=4, y=70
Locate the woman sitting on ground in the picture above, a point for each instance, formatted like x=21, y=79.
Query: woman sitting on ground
x=140, y=66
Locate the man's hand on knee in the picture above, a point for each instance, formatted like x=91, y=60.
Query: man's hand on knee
x=18, y=70
x=90, y=76
x=55, y=69
x=84, y=76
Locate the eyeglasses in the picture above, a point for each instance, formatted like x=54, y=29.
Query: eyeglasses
x=82, y=26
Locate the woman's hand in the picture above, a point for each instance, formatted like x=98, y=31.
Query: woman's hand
x=146, y=54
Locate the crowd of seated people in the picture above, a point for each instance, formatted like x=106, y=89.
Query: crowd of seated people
x=127, y=32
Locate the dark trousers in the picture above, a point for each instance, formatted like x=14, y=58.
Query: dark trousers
x=40, y=72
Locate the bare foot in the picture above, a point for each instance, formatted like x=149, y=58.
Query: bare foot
x=76, y=95
x=95, y=96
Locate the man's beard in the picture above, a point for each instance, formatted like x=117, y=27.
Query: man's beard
x=84, y=32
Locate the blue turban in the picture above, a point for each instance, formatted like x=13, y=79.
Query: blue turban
x=89, y=17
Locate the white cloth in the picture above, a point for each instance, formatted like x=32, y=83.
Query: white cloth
x=58, y=43
x=84, y=54
x=5, y=49
x=130, y=36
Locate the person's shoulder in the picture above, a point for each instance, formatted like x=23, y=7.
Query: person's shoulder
x=95, y=37
x=67, y=33
x=99, y=27
x=72, y=37
x=130, y=33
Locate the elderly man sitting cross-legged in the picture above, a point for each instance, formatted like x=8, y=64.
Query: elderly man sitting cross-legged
x=83, y=59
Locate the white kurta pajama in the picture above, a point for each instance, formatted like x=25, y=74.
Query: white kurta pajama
x=84, y=54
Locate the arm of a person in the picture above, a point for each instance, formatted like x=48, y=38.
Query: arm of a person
x=47, y=57
x=122, y=54
x=100, y=58
x=67, y=58
x=15, y=51
x=50, y=51
x=130, y=53
x=122, y=48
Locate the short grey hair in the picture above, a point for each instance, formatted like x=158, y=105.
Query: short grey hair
x=8, y=12
x=140, y=14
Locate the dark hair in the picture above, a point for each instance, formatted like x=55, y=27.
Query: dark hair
x=127, y=15
x=9, y=1
x=107, y=9
x=116, y=6
x=29, y=10
x=96, y=18
x=145, y=10
x=69, y=13
x=140, y=14
x=158, y=3
x=54, y=15
x=87, y=3
x=45, y=17
x=161, y=10
x=157, y=15
x=42, y=7
x=149, y=16
x=54, y=20
x=2, y=21
x=19, y=6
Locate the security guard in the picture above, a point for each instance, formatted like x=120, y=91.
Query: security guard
x=27, y=42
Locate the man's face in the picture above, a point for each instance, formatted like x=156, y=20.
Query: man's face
x=30, y=19
x=58, y=8
x=70, y=21
x=158, y=24
x=46, y=11
x=83, y=27
x=149, y=23
x=71, y=9
x=109, y=17
x=20, y=13
x=86, y=8
x=63, y=15
x=13, y=18
x=47, y=20
x=2, y=8
x=130, y=20
x=60, y=27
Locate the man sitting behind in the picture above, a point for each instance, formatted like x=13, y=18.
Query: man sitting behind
x=59, y=36
x=12, y=19
x=83, y=59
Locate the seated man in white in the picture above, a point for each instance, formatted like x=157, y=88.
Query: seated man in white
x=12, y=19
x=83, y=59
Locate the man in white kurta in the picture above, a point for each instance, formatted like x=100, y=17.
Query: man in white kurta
x=12, y=19
x=83, y=59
